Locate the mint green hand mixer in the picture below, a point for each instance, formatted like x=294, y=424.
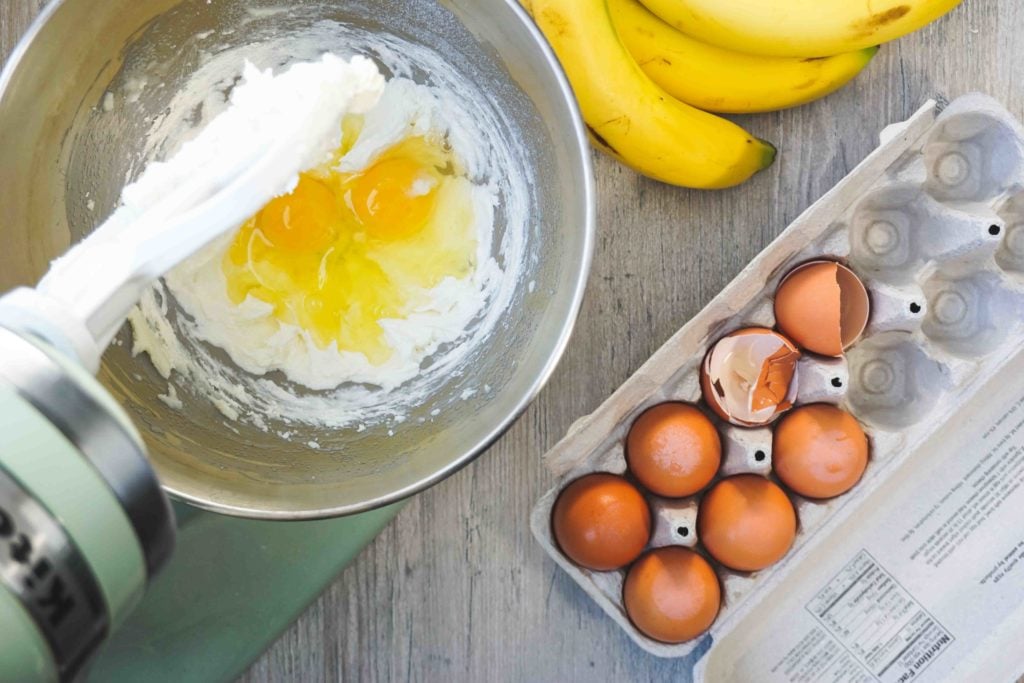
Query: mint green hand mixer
x=81, y=511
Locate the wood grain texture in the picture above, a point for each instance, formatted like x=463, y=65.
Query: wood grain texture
x=456, y=588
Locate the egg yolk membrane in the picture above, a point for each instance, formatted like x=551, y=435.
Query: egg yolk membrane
x=346, y=250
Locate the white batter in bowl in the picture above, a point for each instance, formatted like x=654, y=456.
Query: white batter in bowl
x=328, y=387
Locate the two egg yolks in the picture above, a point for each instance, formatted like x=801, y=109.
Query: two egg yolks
x=345, y=250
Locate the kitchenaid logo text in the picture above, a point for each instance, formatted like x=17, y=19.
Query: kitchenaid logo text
x=47, y=590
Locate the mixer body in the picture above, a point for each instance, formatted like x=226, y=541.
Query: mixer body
x=84, y=525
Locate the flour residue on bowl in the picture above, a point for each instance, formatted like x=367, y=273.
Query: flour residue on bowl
x=270, y=373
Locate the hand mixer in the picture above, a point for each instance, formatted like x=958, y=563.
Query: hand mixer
x=84, y=524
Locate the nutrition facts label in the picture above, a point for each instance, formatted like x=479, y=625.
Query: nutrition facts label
x=878, y=622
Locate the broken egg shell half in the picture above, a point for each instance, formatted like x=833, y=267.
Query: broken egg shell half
x=822, y=306
x=749, y=377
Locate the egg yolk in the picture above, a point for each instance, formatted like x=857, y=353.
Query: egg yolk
x=305, y=220
x=393, y=198
x=346, y=250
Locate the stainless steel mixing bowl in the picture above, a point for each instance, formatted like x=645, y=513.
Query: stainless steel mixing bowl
x=65, y=158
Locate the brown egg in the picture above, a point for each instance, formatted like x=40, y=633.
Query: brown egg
x=749, y=377
x=819, y=451
x=746, y=522
x=672, y=594
x=601, y=522
x=673, y=449
x=822, y=306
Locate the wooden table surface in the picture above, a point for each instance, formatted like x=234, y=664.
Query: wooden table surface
x=456, y=588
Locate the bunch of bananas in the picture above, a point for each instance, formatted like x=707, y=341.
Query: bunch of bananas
x=647, y=72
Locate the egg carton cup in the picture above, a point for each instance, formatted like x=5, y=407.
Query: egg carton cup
x=933, y=222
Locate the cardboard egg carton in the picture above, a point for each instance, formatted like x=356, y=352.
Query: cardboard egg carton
x=933, y=222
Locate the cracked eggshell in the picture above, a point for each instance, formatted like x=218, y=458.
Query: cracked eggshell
x=822, y=306
x=749, y=377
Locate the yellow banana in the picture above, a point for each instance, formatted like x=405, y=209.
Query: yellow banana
x=716, y=79
x=634, y=120
x=798, y=28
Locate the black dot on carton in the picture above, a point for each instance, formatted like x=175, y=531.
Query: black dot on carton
x=683, y=531
x=915, y=307
x=837, y=382
x=759, y=456
x=994, y=230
